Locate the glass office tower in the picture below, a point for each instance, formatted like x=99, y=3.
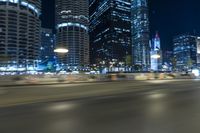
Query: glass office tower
x=72, y=22
x=47, y=54
x=140, y=34
x=110, y=30
x=185, y=51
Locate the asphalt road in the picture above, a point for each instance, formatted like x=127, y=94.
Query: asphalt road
x=143, y=107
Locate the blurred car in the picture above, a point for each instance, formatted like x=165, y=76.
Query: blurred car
x=75, y=72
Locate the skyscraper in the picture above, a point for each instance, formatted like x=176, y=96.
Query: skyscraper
x=198, y=51
x=19, y=32
x=47, y=55
x=72, y=22
x=185, y=51
x=110, y=30
x=140, y=33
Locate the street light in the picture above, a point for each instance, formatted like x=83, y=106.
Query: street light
x=61, y=50
x=155, y=56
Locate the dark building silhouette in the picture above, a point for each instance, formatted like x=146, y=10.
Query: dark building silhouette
x=47, y=54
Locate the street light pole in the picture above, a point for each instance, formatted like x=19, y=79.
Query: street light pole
x=61, y=50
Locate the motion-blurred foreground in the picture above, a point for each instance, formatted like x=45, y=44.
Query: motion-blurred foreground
x=52, y=78
x=130, y=104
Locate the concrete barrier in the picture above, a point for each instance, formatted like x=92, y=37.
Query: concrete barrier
x=50, y=79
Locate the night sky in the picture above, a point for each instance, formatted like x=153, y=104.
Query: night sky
x=169, y=17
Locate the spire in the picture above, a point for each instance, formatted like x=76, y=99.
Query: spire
x=157, y=41
x=157, y=35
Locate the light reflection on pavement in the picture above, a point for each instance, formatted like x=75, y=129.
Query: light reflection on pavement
x=156, y=110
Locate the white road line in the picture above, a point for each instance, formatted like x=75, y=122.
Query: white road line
x=159, y=81
x=166, y=81
x=71, y=85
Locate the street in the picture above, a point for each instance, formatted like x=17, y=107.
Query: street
x=110, y=107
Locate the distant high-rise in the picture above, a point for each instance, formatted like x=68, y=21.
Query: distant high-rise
x=140, y=33
x=185, y=51
x=47, y=54
x=167, y=57
x=156, y=54
x=198, y=51
x=110, y=30
x=72, y=22
x=19, y=33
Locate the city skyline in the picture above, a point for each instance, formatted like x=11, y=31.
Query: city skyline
x=99, y=66
x=181, y=18
x=119, y=31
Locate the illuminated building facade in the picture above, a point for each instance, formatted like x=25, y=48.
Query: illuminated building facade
x=72, y=25
x=198, y=51
x=110, y=30
x=156, y=54
x=140, y=33
x=19, y=32
x=185, y=51
x=47, y=54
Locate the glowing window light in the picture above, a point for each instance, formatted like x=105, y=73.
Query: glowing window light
x=64, y=11
x=23, y=3
x=75, y=17
x=72, y=24
x=14, y=1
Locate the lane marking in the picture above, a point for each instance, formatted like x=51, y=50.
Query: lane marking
x=72, y=85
